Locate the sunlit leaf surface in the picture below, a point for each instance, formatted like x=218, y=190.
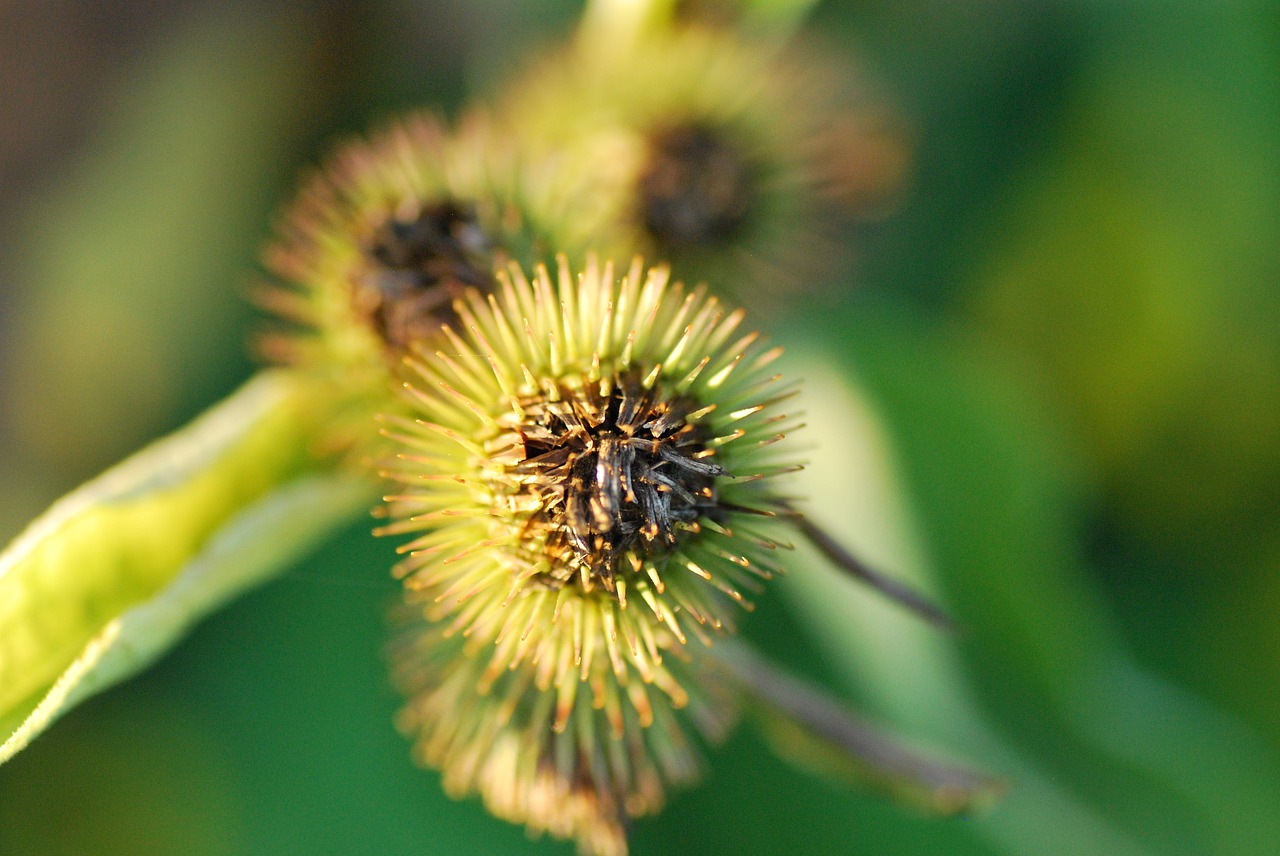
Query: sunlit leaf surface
x=114, y=573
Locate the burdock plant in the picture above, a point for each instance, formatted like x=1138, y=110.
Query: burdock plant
x=589, y=467
x=377, y=245
x=593, y=477
x=676, y=131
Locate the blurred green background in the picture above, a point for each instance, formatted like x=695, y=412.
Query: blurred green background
x=1070, y=334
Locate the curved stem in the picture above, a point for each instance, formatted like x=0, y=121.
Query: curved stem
x=896, y=591
x=818, y=728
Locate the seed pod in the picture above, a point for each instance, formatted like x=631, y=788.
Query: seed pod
x=383, y=239
x=589, y=478
x=732, y=162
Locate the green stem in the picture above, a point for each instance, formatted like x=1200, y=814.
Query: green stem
x=607, y=24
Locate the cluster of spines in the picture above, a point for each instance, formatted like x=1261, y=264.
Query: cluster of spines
x=324, y=242
x=680, y=133
x=462, y=449
x=577, y=772
x=547, y=660
x=576, y=651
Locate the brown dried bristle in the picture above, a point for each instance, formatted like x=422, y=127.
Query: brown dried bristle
x=417, y=265
x=380, y=242
x=614, y=469
x=696, y=188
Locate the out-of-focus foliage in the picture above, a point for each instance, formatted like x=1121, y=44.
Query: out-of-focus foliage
x=1068, y=341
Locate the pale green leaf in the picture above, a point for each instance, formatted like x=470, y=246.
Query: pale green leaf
x=115, y=572
x=914, y=673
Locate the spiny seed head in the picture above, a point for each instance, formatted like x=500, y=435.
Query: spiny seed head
x=383, y=239
x=589, y=478
x=731, y=161
x=576, y=760
x=603, y=439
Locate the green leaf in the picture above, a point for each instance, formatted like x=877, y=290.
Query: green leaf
x=1106, y=747
x=115, y=572
x=911, y=674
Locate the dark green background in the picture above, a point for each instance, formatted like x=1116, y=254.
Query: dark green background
x=1071, y=330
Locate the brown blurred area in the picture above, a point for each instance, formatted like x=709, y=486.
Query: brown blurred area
x=57, y=59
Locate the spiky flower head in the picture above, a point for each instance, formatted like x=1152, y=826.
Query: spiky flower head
x=577, y=770
x=590, y=482
x=717, y=154
x=383, y=238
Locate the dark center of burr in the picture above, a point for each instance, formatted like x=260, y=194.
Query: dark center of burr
x=417, y=265
x=695, y=188
x=616, y=472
